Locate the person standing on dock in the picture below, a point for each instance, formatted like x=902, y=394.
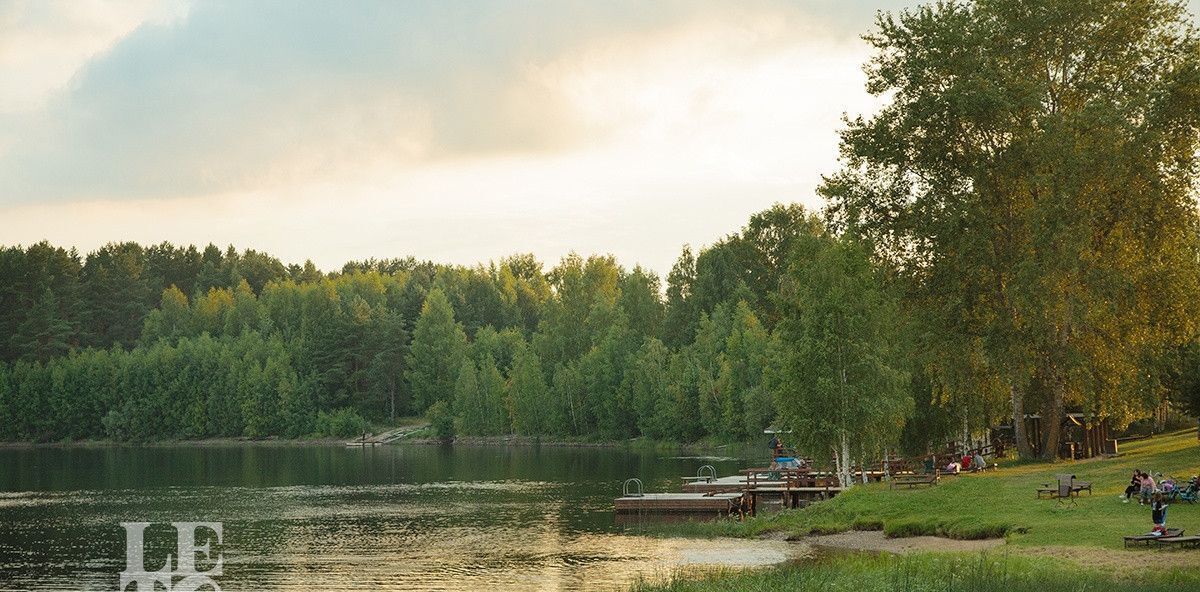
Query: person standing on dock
x=776, y=447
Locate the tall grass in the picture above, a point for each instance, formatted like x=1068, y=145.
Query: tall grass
x=927, y=573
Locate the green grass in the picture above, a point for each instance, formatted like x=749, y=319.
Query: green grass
x=1000, y=503
x=994, y=572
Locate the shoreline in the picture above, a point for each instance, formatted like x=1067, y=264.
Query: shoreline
x=514, y=441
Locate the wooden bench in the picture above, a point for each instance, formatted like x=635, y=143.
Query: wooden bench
x=911, y=481
x=1172, y=533
x=1182, y=541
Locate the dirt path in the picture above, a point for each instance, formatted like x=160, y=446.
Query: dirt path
x=873, y=540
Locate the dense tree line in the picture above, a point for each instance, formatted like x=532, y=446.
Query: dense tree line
x=239, y=344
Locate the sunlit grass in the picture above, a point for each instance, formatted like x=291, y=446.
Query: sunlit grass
x=994, y=572
x=999, y=503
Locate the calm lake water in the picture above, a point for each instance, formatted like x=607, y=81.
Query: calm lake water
x=406, y=517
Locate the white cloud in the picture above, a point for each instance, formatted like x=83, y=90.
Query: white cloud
x=44, y=43
x=681, y=134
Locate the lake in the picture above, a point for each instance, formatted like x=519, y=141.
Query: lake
x=406, y=517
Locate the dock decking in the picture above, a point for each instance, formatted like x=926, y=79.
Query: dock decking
x=678, y=503
x=732, y=484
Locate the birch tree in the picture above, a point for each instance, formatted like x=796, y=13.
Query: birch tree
x=835, y=370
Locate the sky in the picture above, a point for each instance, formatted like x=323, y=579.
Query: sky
x=453, y=131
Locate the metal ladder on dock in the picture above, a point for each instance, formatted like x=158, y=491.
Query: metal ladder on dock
x=627, y=491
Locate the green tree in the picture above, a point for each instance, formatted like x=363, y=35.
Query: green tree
x=1026, y=147
x=437, y=352
x=529, y=399
x=648, y=382
x=171, y=320
x=747, y=407
x=116, y=294
x=641, y=301
x=245, y=314
x=441, y=418
x=493, y=396
x=387, y=342
x=680, y=315
x=836, y=378
x=45, y=332
x=469, y=407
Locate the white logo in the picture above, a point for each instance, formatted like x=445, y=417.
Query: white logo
x=189, y=578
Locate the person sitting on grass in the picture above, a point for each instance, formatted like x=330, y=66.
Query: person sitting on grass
x=1135, y=485
x=978, y=464
x=1147, y=488
x=953, y=467
x=1158, y=514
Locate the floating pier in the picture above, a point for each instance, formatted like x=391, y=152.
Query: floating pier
x=678, y=503
x=742, y=494
x=731, y=484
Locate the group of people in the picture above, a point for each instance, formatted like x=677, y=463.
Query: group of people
x=968, y=462
x=1154, y=493
x=1141, y=483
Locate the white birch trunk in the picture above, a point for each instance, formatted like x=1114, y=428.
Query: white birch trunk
x=845, y=477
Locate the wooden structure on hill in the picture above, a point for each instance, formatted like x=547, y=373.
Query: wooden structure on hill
x=1083, y=435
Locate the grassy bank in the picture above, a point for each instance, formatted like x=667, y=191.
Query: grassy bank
x=933, y=573
x=998, y=503
x=1001, y=503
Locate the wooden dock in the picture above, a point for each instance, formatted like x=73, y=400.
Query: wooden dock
x=706, y=493
x=731, y=484
x=688, y=503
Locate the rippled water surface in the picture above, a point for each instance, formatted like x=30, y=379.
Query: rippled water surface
x=336, y=518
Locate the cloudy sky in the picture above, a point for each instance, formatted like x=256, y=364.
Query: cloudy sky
x=454, y=131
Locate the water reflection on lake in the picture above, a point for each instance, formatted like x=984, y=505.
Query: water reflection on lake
x=334, y=518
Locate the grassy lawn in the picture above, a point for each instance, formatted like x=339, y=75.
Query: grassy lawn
x=1039, y=533
x=1001, y=503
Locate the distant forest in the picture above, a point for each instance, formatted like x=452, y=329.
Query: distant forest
x=139, y=342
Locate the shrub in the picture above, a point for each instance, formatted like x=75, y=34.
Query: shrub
x=441, y=420
x=341, y=423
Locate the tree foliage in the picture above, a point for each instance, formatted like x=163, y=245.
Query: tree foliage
x=1032, y=178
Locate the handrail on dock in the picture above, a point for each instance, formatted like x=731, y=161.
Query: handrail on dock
x=625, y=489
x=709, y=476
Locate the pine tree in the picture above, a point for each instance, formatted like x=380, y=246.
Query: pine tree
x=45, y=333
